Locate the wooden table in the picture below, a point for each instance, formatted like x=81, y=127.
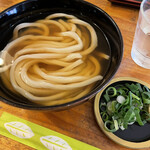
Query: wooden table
x=79, y=122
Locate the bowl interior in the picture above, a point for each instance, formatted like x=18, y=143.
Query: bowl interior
x=110, y=39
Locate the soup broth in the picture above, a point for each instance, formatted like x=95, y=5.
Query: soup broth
x=52, y=60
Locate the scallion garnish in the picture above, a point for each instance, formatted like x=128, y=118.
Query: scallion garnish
x=124, y=105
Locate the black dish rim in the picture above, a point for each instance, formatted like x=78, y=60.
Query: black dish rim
x=85, y=98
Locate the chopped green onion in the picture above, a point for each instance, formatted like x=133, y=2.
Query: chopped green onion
x=111, y=107
x=138, y=117
x=139, y=87
x=105, y=116
x=126, y=101
x=116, y=125
x=122, y=91
x=128, y=116
x=107, y=98
x=124, y=105
x=134, y=96
x=109, y=123
x=145, y=88
x=103, y=106
x=146, y=101
x=146, y=97
x=130, y=98
x=120, y=99
x=111, y=91
x=133, y=88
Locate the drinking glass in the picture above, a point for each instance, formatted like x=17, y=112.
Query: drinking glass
x=140, y=52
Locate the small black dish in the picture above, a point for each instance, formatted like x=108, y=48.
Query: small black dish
x=31, y=10
x=134, y=136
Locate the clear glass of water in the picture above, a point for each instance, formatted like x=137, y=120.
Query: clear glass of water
x=140, y=52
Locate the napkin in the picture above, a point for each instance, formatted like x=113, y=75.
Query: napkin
x=37, y=136
x=135, y=3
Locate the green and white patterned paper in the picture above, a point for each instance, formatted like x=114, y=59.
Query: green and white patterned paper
x=38, y=137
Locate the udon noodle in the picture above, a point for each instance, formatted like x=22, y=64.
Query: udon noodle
x=51, y=61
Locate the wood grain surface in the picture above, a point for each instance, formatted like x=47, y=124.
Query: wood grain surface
x=79, y=122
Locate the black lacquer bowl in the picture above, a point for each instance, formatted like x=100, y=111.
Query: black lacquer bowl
x=110, y=39
x=135, y=136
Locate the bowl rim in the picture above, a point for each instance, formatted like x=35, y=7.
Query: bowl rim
x=120, y=141
x=95, y=91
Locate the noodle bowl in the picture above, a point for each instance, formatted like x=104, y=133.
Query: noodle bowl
x=52, y=60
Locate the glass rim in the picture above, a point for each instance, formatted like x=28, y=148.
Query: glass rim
x=142, y=11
